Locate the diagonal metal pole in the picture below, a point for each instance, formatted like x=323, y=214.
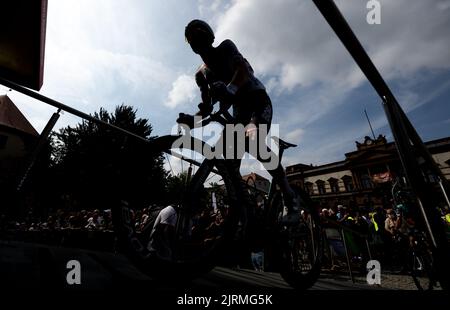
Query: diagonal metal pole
x=66, y=108
x=409, y=145
x=40, y=144
x=85, y=116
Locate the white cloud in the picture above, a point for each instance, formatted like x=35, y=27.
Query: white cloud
x=295, y=135
x=103, y=53
x=212, y=9
x=289, y=44
x=291, y=38
x=183, y=91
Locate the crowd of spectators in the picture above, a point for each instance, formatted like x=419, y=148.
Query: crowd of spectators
x=387, y=231
x=61, y=220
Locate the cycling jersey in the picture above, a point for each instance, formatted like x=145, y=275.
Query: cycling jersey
x=222, y=64
x=251, y=101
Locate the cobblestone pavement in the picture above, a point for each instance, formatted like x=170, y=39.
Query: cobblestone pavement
x=390, y=281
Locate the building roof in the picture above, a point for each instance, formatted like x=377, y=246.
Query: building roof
x=316, y=169
x=11, y=117
x=255, y=177
x=383, y=148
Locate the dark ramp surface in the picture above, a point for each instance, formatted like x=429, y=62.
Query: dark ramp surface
x=35, y=266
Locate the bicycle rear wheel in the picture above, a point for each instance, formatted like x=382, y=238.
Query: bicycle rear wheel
x=421, y=267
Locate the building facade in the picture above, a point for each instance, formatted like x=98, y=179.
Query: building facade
x=17, y=140
x=366, y=176
x=261, y=184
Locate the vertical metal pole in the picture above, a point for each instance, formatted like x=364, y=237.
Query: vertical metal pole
x=189, y=174
x=370, y=125
x=443, y=191
x=311, y=229
x=368, y=249
x=347, y=256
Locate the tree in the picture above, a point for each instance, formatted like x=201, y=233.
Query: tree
x=94, y=165
x=176, y=186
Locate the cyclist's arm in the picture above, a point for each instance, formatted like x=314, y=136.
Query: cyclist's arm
x=202, y=83
x=241, y=74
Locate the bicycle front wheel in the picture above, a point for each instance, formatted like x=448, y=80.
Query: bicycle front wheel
x=300, y=245
x=202, y=223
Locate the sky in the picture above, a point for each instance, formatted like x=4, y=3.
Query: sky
x=107, y=52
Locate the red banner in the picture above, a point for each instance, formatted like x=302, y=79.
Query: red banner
x=382, y=177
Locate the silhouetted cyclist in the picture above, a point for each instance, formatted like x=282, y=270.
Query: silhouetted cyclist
x=228, y=77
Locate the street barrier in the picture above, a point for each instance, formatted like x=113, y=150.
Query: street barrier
x=342, y=242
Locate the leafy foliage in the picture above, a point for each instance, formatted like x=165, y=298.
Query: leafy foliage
x=93, y=164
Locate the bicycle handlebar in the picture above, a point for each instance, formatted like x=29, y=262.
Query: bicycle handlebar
x=222, y=116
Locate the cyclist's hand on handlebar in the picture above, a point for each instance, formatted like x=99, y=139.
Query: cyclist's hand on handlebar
x=186, y=119
x=205, y=109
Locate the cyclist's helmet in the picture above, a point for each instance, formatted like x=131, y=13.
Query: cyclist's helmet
x=199, y=32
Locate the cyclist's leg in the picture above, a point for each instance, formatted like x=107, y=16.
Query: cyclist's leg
x=278, y=174
x=262, y=118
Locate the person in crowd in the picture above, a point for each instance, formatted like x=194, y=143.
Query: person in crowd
x=163, y=234
x=390, y=224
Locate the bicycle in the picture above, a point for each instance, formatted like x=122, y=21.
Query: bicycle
x=418, y=258
x=294, y=250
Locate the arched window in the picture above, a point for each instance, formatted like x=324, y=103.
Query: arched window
x=366, y=182
x=321, y=187
x=309, y=187
x=334, y=185
x=348, y=183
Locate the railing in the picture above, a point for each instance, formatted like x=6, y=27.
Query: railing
x=342, y=230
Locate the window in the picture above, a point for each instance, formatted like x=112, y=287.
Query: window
x=321, y=187
x=3, y=140
x=431, y=177
x=334, y=185
x=366, y=182
x=348, y=183
x=309, y=187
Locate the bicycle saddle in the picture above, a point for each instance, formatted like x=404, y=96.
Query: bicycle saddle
x=283, y=144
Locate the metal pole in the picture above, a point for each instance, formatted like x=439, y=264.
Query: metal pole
x=370, y=125
x=347, y=256
x=444, y=192
x=66, y=108
x=40, y=144
x=411, y=166
x=83, y=115
x=409, y=145
x=368, y=249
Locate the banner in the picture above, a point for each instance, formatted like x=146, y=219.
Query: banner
x=382, y=177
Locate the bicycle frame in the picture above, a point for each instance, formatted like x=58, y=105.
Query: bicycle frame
x=207, y=166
